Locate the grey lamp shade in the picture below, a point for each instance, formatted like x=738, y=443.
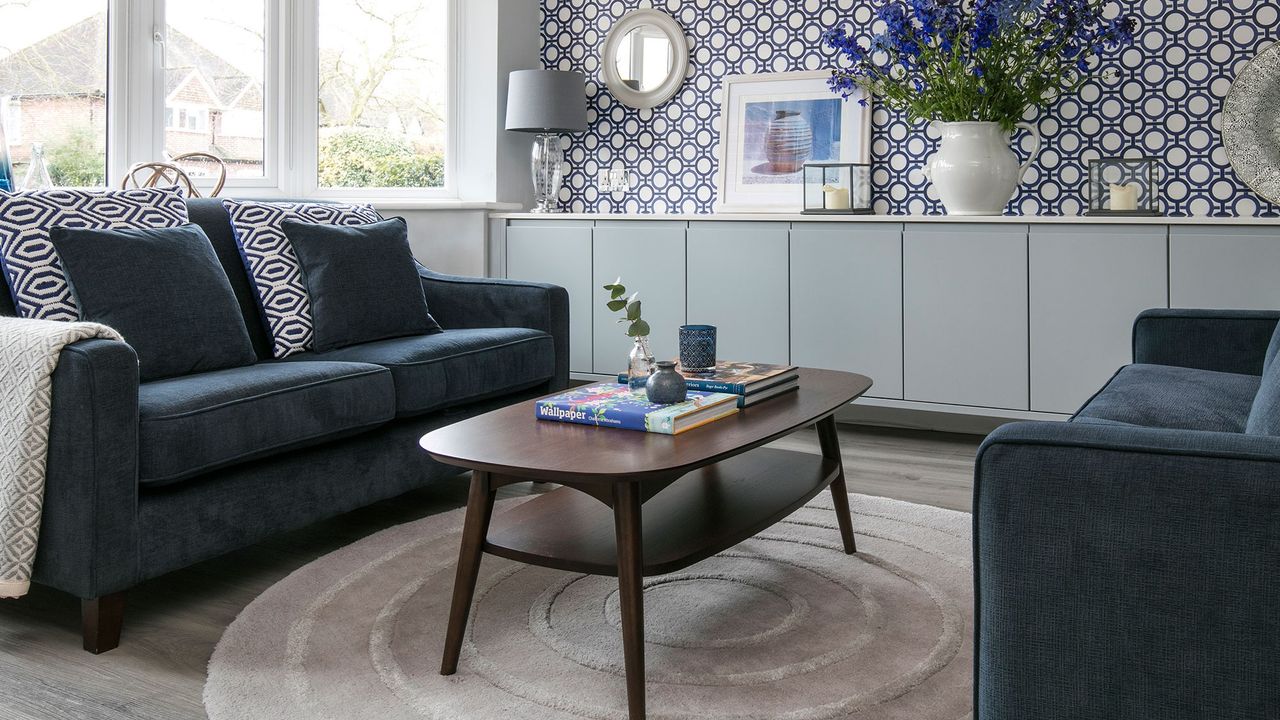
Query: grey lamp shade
x=547, y=101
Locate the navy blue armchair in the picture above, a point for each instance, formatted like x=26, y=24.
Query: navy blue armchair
x=1127, y=563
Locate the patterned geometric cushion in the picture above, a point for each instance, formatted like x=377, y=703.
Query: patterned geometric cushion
x=36, y=281
x=274, y=268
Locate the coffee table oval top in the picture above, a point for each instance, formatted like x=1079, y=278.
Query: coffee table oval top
x=512, y=441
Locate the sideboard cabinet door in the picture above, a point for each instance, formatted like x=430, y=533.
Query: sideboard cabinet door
x=738, y=282
x=1224, y=267
x=1088, y=283
x=649, y=256
x=846, y=301
x=965, y=315
x=557, y=252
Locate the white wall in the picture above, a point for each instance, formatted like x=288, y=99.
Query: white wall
x=447, y=241
x=497, y=37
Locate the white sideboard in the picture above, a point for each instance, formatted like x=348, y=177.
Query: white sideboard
x=1000, y=317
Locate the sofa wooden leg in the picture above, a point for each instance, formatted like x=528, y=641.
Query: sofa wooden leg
x=100, y=621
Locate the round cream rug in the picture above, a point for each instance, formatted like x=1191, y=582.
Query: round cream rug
x=783, y=626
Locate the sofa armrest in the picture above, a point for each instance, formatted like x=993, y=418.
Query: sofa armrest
x=89, y=528
x=463, y=302
x=1232, y=341
x=1126, y=572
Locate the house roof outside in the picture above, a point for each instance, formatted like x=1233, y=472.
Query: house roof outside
x=72, y=62
x=69, y=62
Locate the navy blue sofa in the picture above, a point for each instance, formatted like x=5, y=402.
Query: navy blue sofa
x=1127, y=563
x=145, y=479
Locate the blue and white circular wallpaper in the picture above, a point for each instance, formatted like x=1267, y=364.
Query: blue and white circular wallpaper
x=1162, y=97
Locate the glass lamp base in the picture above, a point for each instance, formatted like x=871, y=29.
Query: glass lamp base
x=548, y=173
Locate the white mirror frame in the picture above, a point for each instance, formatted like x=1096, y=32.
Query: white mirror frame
x=679, y=66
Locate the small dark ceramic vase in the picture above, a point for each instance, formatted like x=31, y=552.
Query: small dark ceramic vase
x=666, y=386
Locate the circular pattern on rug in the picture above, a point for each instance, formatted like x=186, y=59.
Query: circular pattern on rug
x=784, y=625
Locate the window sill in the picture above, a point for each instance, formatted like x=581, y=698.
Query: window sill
x=436, y=204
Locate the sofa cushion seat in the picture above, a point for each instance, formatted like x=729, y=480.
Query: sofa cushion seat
x=435, y=372
x=192, y=424
x=1175, y=398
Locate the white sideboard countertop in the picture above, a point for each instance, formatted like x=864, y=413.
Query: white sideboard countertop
x=795, y=218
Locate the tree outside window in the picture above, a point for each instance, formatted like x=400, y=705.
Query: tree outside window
x=383, y=93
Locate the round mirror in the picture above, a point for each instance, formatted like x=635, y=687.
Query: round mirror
x=645, y=58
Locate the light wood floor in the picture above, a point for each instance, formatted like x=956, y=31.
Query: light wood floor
x=172, y=623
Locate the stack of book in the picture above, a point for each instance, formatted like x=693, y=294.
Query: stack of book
x=619, y=406
x=751, y=382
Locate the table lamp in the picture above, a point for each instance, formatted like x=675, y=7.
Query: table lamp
x=548, y=103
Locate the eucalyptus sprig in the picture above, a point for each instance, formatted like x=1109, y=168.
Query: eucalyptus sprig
x=629, y=306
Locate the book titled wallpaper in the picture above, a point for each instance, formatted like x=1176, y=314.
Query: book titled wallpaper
x=619, y=406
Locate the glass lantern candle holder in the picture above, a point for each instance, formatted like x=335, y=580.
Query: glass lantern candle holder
x=1123, y=187
x=837, y=189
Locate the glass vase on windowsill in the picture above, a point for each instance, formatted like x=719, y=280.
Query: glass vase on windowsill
x=38, y=177
x=640, y=363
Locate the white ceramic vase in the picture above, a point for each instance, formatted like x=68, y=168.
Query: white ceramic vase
x=975, y=170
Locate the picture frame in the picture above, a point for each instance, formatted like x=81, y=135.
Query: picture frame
x=773, y=123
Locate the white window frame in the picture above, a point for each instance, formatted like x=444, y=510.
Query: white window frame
x=136, y=102
x=306, y=131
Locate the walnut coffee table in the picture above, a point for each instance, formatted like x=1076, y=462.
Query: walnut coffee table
x=636, y=504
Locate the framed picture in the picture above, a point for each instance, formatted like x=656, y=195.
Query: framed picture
x=775, y=123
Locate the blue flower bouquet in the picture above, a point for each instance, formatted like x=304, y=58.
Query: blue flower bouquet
x=978, y=60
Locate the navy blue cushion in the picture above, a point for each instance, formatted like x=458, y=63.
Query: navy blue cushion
x=212, y=217
x=1174, y=398
x=193, y=424
x=363, y=282
x=163, y=290
x=1273, y=349
x=454, y=367
x=1264, y=416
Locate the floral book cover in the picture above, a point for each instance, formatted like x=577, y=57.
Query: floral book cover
x=619, y=406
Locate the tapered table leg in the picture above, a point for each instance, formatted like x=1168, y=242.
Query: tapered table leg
x=475, y=530
x=630, y=541
x=830, y=443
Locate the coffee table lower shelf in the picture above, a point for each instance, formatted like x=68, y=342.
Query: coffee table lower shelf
x=703, y=513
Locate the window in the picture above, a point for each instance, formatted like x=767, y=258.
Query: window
x=383, y=93
x=214, y=82
x=334, y=97
x=53, y=87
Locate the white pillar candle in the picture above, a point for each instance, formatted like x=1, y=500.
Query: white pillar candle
x=837, y=197
x=1124, y=197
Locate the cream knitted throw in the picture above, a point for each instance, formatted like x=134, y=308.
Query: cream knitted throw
x=29, y=352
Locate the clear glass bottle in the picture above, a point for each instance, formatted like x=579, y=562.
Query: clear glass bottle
x=38, y=173
x=640, y=362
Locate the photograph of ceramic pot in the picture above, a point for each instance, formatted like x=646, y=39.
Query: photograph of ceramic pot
x=789, y=142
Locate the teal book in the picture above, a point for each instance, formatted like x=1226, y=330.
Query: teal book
x=619, y=406
x=738, y=378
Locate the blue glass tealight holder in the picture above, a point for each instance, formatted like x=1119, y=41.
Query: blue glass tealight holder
x=698, y=348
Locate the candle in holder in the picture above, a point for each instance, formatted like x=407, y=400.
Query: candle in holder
x=1124, y=197
x=837, y=198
